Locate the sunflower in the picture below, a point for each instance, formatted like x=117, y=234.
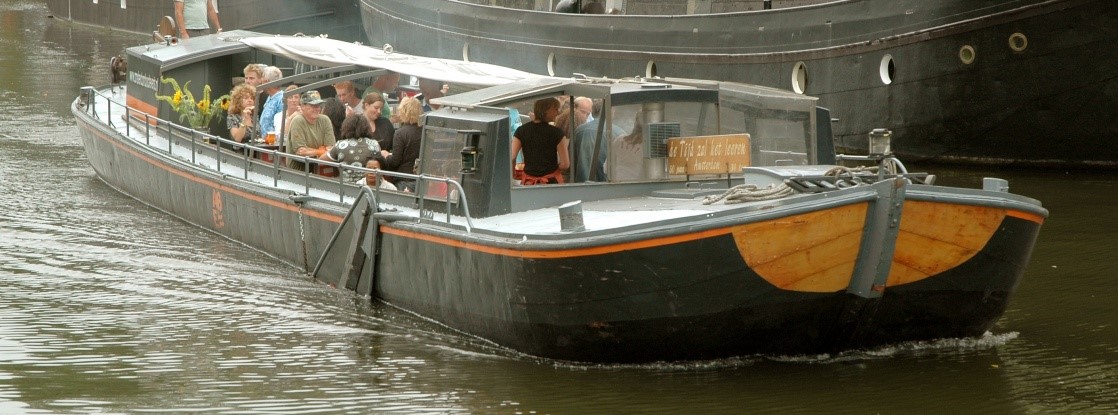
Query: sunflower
x=196, y=113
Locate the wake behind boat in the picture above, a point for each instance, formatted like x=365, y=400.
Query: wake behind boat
x=725, y=226
x=1023, y=82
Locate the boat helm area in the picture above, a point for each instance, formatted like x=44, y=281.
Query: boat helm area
x=650, y=135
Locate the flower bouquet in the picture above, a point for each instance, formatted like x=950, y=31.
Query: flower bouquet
x=197, y=113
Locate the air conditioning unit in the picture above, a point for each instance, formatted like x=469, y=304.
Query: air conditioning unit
x=656, y=138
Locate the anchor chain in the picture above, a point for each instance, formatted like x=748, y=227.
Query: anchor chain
x=303, y=240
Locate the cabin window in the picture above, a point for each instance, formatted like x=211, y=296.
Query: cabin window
x=441, y=156
x=640, y=152
x=779, y=135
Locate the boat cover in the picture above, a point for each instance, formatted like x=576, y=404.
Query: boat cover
x=327, y=52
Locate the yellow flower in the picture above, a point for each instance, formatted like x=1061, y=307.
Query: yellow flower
x=195, y=113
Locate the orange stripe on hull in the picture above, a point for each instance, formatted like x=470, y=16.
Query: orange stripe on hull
x=558, y=253
x=217, y=186
x=1031, y=217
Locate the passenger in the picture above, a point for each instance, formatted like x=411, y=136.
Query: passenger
x=405, y=143
x=190, y=17
x=370, y=179
x=584, y=106
x=355, y=146
x=347, y=94
x=628, y=153
x=274, y=104
x=583, y=147
x=282, y=120
x=383, y=130
x=567, y=6
x=544, y=145
x=254, y=74
x=242, y=103
x=593, y=7
x=563, y=120
x=431, y=89
x=311, y=132
x=334, y=109
x=384, y=85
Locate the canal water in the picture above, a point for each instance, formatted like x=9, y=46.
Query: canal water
x=110, y=306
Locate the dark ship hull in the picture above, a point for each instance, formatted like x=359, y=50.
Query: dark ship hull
x=1024, y=82
x=335, y=18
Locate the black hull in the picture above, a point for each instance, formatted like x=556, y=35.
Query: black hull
x=642, y=306
x=607, y=302
x=1047, y=104
x=336, y=18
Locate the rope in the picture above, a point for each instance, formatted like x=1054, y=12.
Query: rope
x=839, y=171
x=751, y=193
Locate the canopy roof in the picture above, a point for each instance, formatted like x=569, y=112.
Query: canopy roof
x=329, y=52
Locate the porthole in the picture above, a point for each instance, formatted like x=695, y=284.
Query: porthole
x=466, y=52
x=551, y=64
x=799, y=78
x=1018, y=42
x=967, y=54
x=650, y=70
x=887, y=70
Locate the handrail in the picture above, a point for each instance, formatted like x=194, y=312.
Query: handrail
x=176, y=132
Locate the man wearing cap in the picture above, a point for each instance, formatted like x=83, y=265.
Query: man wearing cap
x=311, y=132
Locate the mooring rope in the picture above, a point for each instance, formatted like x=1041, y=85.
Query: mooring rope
x=751, y=193
x=839, y=171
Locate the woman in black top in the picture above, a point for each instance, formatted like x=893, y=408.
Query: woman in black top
x=544, y=145
x=405, y=142
x=383, y=130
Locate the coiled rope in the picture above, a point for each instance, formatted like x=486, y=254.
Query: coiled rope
x=751, y=193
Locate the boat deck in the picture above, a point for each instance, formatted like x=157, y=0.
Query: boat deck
x=598, y=215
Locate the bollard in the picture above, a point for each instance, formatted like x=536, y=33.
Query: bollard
x=570, y=217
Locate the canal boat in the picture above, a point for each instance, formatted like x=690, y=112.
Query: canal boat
x=992, y=82
x=722, y=224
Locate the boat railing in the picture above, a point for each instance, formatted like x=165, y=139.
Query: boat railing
x=252, y=159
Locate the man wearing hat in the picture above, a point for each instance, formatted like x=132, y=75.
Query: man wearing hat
x=311, y=132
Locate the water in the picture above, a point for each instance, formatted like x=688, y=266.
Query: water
x=109, y=306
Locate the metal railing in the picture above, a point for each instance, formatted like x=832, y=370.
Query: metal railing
x=248, y=160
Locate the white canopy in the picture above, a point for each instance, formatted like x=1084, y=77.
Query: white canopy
x=326, y=52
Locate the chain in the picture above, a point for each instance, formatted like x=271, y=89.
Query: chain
x=303, y=239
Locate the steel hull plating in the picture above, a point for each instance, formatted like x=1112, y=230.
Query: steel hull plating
x=616, y=305
x=691, y=300
x=336, y=18
x=1043, y=98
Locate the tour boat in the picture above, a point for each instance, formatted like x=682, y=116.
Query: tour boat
x=725, y=224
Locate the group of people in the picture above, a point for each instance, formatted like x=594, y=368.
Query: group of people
x=351, y=129
x=545, y=144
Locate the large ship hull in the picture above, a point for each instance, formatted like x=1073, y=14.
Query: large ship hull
x=335, y=18
x=1026, y=82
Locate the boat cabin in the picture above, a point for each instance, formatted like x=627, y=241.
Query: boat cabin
x=658, y=137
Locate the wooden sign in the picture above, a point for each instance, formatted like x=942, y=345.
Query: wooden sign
x=708, y=154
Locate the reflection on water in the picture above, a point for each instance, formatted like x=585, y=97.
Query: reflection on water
x=109, y=306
